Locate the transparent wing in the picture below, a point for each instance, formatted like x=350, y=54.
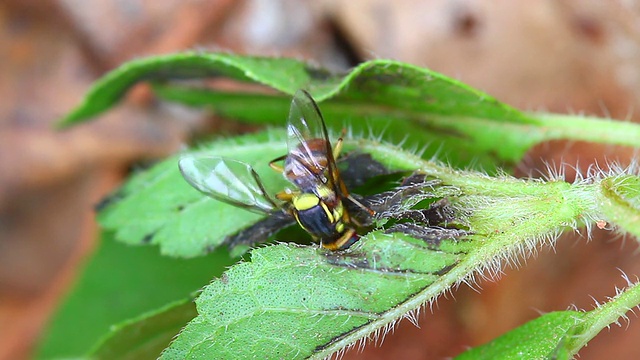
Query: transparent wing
x=231, y=181
x=307, y=137
x=305, y=120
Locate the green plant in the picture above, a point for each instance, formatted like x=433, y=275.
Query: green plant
x=296, y=301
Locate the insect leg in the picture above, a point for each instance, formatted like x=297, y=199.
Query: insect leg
x=342, y=242
x=276, y=167
x=258, y=182
x=284, y=196
x=361, y=205
x=338, y=147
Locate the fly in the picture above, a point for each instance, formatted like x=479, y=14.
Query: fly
x=317, y=201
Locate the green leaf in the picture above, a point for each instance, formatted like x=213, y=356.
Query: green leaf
x=605, y=315
x=391, y=99
x=120, y=283
x=385, y=97
x=557, y=335
x=542, y=338
x=146, y=337
x=284, y=74
x=293, y=302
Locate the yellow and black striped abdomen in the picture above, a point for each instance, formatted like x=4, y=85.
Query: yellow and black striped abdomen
x=317, y=218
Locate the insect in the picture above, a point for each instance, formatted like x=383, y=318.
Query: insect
x=317, y=201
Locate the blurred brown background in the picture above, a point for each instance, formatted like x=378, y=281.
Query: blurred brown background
x=564, y=56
